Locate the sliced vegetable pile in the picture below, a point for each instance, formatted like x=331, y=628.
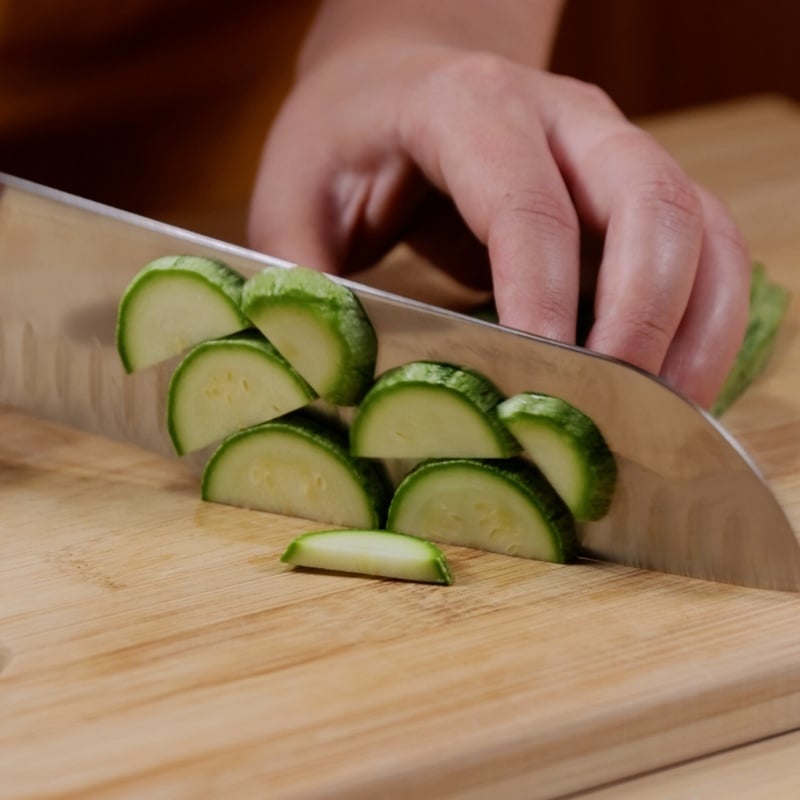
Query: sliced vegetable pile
x=176, y=302
x=508, y=475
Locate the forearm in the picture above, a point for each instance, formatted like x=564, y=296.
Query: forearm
x=522, y=30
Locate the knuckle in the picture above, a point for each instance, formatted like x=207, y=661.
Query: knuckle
x=458, y=91
x=673, y=200
x=722, y=227
x=551, y=311
x=736, y=239
x=548, y=313
x=735, y=243
x=542, y=210
x=651, y=328
x=480, y=70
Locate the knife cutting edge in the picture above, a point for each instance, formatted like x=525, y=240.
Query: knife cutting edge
x=689, y=499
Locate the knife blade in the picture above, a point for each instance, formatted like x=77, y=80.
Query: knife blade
x=689, y=499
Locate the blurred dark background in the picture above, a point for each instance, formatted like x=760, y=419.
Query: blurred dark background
x=658, y=55
x=161, y=108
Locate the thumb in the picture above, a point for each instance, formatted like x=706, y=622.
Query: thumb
x=334, y=192
x=300, y=210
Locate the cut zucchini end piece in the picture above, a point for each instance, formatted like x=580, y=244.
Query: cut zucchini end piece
x=378, y=553
x=504, y=507
x=567, y=446
x=174, y=303
x=319, y=326
x=297, y=466
x=226, y=385
x=768, y=304
x=429, y=409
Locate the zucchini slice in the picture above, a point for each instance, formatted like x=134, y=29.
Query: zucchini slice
x=370, y=552
x=567, y=447
x=426, y=409
x=768, y=304
x=319, y=326
x=174, y=303
x=224, y=385
x=299, y=466
x=502, y=506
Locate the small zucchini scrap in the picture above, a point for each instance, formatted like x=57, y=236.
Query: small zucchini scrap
x=503, y=506
x=297, y=465
x=768, y=304
x=225, y=385
x=426, y=409
x=319, y=326
x=174, y=303
x=378, y=553
x=567, y=447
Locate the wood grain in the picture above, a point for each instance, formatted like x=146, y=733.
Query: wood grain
x=761, y=188
x=153, y=646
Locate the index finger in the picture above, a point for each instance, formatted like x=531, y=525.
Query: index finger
x=474, y=129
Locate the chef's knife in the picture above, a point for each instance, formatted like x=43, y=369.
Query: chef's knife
x=689, y=500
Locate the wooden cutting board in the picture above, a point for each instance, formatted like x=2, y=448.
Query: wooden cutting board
x=153, y=646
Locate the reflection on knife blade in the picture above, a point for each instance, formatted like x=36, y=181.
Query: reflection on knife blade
x=689, y=501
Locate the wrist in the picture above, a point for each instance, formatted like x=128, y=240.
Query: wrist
x=520, y=30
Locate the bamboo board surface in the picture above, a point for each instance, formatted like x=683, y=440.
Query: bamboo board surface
x=766, y=768
x=153, y=646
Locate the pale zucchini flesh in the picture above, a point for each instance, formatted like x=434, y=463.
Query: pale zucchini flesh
x=504, y=507
x=225, y=385
x=430, y=410
x=567, y=447
x=314, y=338
x=319, y=326
x=174, y=303
x=297, y=466
x=378, y=553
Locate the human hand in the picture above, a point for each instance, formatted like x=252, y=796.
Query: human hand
x=376, y=134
